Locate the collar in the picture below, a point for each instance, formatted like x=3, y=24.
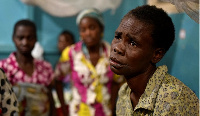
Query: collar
x=81, y=47
x=12, y=58
x=148, y=98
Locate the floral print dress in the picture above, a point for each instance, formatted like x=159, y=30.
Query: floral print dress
x=31, y=91
x=90, y=85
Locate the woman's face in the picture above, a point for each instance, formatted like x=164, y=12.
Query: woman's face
x=90, y=31
x=24, y=39
x=131, y=49
x=64, y=41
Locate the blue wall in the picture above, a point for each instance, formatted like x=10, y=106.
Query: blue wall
x=182, y=59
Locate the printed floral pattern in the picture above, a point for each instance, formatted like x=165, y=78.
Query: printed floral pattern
x=91, y=85
x=31, y=92
x=42, y=73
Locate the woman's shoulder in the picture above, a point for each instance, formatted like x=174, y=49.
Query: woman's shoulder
x=176, y=89
x=124, y=90
x=43, y=63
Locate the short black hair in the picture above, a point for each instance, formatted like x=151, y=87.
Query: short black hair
x=66, y=32
x=24, y=22
x=163, y=31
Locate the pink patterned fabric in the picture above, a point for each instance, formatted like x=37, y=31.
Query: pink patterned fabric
x=42, y=73
x=31, y=91
x=85, y=82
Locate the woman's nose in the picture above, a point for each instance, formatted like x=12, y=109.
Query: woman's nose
x=120, y=49
x=87, y=32
x=24, y=41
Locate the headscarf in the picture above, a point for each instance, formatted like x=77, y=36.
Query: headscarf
x=93, y=13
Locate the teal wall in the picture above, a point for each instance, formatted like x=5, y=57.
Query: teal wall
x=182, y=59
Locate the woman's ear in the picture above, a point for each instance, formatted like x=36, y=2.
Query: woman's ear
x=158, y=55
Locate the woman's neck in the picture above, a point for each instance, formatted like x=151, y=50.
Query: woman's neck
x=94, y=49
x=24, y=58
x=94, y=53
x=26, y=63
x=138, y=84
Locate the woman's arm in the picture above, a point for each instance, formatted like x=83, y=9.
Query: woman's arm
x=116, y=84
x=52, y=111
x=59, y=90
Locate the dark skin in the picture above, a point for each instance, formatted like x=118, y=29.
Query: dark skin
x=24, y=39
x=91, y=34
x=134, y=56
x=64, y=40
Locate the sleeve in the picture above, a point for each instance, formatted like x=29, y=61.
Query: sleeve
x=65, y=55
x=61, y=70
x=8, y=103
x=51, y=74
x=63, y=66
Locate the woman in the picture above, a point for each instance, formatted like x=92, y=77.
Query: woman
x=30, y=77
x=141, y=40
x=91, y=76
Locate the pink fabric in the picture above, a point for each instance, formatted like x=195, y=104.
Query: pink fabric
x=42, y=73
x=110, y=74
x=77, y=78
x=99, y=110
x=81, y=89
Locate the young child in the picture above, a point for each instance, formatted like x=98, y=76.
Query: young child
x=65, y=39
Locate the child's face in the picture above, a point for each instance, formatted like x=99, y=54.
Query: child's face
x=131, y=49
x=63, y=42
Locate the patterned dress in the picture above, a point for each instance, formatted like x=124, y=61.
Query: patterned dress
x=8, y=100
x=164, y=95
x=90, y=85
x=31, y=91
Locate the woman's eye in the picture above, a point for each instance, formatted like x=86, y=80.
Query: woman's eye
x=132, y=43
x=117, y=36
x=82, y=30
x=92, y=27
x=31, y=37
x=20, y=37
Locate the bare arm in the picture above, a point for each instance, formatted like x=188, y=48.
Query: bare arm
x=59, y=90
x=52, y=111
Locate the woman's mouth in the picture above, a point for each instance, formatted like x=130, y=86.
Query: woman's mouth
x=115, y=63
